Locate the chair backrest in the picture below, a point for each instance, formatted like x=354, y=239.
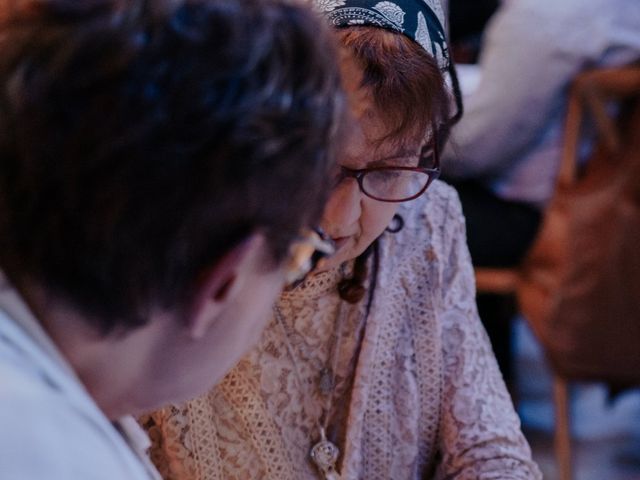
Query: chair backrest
x=580, y=283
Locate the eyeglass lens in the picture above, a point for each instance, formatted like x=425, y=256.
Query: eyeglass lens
x=394, y=185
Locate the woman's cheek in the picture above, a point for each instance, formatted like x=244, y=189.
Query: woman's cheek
x=376, y=218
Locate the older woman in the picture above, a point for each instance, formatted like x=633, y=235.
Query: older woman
x=376, y=367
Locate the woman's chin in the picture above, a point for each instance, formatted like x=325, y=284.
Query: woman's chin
x=328, y=264
x=340, y=257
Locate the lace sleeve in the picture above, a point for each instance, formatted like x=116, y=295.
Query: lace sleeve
x=480, y=436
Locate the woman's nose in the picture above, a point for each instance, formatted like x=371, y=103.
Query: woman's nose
x=343, y=209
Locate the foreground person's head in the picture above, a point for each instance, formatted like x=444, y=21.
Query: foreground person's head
x=400, y=110
x=157, y=161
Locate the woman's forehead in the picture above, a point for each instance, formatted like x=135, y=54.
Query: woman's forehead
x=360, y=151
x=368, y=133
x=367, y=123
x=359, y=97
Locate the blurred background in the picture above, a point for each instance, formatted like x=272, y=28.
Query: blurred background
x=582, y=423
x=605, y=430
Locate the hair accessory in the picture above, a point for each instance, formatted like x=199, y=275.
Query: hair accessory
x=420, y=20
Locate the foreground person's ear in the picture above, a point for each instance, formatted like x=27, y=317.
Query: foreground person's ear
x=219, y=285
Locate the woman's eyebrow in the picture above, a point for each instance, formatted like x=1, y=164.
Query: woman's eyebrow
x=403, y=157
x=398, y=159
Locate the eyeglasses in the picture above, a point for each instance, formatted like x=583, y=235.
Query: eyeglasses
x=396, y=184
x=306, y=251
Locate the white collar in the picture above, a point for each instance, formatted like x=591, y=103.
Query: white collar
x=30, y=337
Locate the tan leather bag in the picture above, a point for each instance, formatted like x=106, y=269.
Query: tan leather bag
x=580, y=288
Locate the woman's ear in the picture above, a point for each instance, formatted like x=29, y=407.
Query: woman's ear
x=219, y=284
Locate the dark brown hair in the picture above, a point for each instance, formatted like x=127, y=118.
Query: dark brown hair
x=141, y=140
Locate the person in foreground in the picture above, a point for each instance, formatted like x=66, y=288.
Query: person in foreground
x=375, y=367
x=158, y=160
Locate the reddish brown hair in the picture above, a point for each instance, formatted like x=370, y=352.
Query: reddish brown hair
x=405, y=81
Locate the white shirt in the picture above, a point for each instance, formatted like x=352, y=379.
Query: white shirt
x=50, y=428
x=510, y=136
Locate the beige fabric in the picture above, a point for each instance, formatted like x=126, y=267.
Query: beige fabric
x=426, y=398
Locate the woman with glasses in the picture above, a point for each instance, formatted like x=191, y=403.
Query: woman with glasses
x=376, y=365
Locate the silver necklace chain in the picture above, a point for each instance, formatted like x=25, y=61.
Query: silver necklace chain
x=324, y=453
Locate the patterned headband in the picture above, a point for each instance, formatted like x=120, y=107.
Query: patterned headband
x=420, y=20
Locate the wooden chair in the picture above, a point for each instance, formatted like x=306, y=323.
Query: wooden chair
x=586, y=98
x=505, y=281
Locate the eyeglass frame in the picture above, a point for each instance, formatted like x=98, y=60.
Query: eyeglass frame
x=314, y=244
x=432, y=173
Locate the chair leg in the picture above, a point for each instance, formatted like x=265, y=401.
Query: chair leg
x=563, y=427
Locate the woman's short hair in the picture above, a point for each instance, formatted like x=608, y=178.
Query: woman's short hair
x=405, y=82
x=140, y=140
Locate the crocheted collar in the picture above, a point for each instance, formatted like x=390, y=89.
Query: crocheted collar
x=319, y=284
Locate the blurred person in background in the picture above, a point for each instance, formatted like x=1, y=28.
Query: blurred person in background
x=158, y=159
x=467, y=21
x=505, y=153
x=377, y=366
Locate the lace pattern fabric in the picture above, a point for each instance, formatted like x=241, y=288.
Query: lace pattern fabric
x=418, y=395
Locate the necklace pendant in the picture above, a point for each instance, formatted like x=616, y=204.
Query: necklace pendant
x=325, y=455
x=326, y=382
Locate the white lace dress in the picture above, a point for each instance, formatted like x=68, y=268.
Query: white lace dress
x=418, y=391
